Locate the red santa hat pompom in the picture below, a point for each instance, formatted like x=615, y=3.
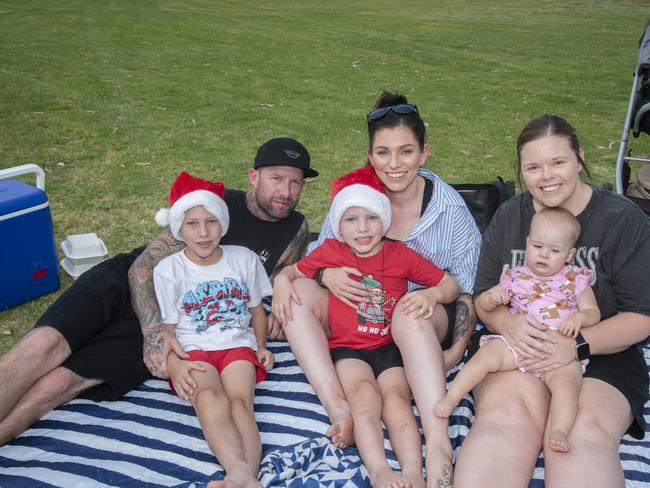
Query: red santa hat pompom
x=359, y=188
x=187, y=192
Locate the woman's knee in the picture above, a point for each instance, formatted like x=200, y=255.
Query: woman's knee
x=513, y=401
x=313, y=300
x=592, y=429
x=405, y=327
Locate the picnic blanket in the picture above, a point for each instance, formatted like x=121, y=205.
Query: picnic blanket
x=152, y=438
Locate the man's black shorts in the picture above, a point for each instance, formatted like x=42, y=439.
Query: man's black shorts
x=95, y=317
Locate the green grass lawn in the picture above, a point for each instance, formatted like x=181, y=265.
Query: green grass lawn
x=114, y=98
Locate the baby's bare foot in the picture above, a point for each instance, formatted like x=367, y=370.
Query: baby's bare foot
x=559, y=441
x=444, y=407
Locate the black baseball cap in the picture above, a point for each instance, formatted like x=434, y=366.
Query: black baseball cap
x=284, y=151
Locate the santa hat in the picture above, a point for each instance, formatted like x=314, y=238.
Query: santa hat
x=187, y=192
x=359, y=188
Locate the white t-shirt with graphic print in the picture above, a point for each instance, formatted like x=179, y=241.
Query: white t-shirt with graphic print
x=209, y=304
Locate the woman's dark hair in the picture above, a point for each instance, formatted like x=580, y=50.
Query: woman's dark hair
x=548, y=125
x=392, y=119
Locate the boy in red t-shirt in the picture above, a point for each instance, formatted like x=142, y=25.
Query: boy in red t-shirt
x=367, y=361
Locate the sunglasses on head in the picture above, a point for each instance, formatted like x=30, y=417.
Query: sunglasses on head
x=401, y=109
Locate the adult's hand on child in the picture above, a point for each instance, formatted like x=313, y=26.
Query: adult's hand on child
x=418, y=304
x=275, y=331
x=283, y=293
x=563, y=351
x=528, y=337
x=266, y=358
x=156, y=347
x=346, y=289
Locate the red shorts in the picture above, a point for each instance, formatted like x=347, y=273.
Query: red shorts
x=221, y=359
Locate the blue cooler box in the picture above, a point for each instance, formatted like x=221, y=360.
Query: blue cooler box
x=28, y=261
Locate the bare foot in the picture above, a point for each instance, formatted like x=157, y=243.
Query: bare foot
x=221, y=484
x=415, y=478
x=341, y=430
x=440, y=472
x=444, y=407
x=237, y=479
x=559, y=441
x=386, y=478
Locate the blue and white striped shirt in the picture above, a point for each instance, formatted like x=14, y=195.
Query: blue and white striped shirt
x=446, y=234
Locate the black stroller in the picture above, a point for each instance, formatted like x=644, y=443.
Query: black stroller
x=637, y=121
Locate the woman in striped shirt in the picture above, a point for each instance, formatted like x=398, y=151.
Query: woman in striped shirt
x=431, y=218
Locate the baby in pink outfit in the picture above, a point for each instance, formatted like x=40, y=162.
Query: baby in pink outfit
x=551, y=300
x=553, y=293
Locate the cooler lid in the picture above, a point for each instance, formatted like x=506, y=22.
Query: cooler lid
x=16, y=195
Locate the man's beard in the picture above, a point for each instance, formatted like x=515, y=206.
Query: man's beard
x=270, y=211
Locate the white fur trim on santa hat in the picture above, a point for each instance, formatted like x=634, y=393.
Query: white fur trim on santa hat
x=174, y=215
x=359, y=195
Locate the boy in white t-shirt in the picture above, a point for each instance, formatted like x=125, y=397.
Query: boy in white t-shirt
x=211, y=295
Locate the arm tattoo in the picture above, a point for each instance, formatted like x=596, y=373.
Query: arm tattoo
x=294, y=250
x=465, y=317
x=143, y=295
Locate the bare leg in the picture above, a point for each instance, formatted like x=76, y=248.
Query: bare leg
x=55, y=388
x=593, y=461
x=213, y=410
x=490, y=358
x=19, y=370
x=506, y=436
x=306, y=336
x=238, y=379
x=403, y=430
x=564, y=384
x=365, y=400
x=419, y=343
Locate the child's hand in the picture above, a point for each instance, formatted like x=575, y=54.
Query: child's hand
x=571, y=326
x=266, y=358
x=498, y=297
x=283, y=293
x=418, y=304
x=180, y=374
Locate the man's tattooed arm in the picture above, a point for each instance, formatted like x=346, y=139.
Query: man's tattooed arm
x=294, y=250
x=463, y=328
x=156, y=341
x=291, y=255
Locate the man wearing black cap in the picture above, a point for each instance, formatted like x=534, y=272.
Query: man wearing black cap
x=263, y=219
x=92, y=340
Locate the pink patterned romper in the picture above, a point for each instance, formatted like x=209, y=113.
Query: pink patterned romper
x=549, y=299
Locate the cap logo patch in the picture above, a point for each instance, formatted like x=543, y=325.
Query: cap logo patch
x=292, y=154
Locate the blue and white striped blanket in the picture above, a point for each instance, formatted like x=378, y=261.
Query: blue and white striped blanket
x=152, y=438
